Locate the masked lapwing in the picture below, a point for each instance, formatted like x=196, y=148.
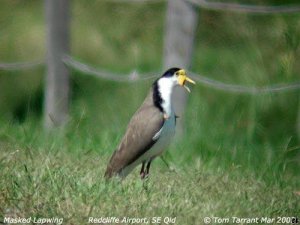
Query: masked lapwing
x=151, y=128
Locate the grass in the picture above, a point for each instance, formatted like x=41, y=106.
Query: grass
x=60, y=175
x=57, y=185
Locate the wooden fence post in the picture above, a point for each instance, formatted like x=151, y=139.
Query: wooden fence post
x=181, y=23
x=57, y=77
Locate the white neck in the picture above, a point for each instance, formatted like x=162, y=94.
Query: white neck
x=165, y=87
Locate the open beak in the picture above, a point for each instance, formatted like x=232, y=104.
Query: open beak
x=182, y=78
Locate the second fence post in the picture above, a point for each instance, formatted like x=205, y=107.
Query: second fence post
x=57, y=77
x=178, y=44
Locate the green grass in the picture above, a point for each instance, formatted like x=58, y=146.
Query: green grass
x=60, y=175
x=55, y=184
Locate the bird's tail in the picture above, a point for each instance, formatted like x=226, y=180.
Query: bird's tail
x=112, y=169
x=108, y=173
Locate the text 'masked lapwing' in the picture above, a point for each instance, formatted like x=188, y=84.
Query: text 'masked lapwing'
x=151, y=128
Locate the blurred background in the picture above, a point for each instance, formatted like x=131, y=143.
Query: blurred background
x=256, y=132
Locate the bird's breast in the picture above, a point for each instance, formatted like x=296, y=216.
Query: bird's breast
x=167, y=133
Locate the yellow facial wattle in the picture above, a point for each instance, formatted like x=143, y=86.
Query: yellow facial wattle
x=182, y=78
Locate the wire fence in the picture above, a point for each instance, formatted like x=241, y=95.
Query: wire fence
x=21, y=65
x=90, y=70
x=204, y=80
x=225, y=6
x=135, y=76
x=235, y=88
x=245, y=8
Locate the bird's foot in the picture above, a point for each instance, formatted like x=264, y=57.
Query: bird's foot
x=143, y=175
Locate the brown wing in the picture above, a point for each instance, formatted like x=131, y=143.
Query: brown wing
x=145, y=123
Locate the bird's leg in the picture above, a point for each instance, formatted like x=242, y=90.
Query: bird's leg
x=148, y=168
x=142, y=173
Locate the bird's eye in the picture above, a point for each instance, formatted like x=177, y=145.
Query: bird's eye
x=177, y=74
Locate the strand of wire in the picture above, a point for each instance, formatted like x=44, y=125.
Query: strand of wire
x=235, y=88
x=21, y=65
x=235, y=7
x=87, y=69
x=224, y=6
x=137, y=1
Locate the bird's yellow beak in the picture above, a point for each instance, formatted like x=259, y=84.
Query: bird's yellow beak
x=182, y=78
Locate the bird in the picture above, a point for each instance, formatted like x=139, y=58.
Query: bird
x=150, y=129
